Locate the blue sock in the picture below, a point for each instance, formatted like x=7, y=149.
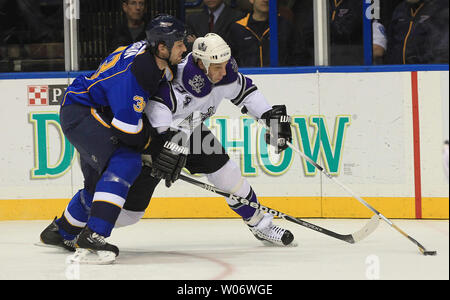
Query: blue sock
x=75, y=216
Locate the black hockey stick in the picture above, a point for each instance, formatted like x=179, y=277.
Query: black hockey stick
x=349, y=238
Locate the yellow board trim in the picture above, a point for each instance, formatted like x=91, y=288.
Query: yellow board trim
x=216, y=207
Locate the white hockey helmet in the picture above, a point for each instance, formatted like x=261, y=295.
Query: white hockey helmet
x=211, y=49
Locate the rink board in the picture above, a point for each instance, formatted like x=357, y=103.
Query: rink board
x=380, y=134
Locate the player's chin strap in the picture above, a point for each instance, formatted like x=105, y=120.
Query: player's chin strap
x=171, y=70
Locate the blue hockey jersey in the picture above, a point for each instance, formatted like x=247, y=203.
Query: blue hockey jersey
x=123, y=82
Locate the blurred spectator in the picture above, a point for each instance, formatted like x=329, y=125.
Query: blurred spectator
x=345, y=29
x=31, y=35
x=285, y=9
x=250, y=39
x=346, y=23
x=379, y=43
x=216, y=17
x=244, y=6
x=133, y=29
x=418, y=33
x=24, y=22
x=303, y=12
x=386, y=10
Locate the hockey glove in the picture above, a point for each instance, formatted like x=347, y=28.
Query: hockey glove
x=170, y=161
x=279, y=124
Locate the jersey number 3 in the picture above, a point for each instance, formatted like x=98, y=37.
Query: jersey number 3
x=139, y=105
x=106, y=65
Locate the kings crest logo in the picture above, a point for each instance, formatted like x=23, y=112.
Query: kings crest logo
x=197, y=83
x=202, y=47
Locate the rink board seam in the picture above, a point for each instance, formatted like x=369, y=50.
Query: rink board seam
x=216, y=207
x=416, y=145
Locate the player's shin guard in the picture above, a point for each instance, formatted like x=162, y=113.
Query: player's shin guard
x=112, y=189
x=245, y=211
x=229, y=178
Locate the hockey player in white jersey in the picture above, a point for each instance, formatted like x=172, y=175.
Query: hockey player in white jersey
x=208, y=75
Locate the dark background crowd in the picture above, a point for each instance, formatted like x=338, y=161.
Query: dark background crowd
x=404, y=31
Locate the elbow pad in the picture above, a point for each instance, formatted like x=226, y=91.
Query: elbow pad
x=138, y=141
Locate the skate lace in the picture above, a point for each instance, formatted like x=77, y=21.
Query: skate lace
x=70, y=243
x=98, y=238
x=273, y=232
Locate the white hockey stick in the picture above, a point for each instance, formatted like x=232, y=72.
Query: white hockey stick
x=421, y=248
x=377, y=213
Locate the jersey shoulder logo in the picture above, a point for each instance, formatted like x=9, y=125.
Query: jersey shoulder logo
x=197, y=83
x=135, y=49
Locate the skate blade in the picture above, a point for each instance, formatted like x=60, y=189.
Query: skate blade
x=293, y=244
x=90, y=257
x=267, y=243
x=41, y=244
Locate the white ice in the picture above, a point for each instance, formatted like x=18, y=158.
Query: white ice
x=224, y=249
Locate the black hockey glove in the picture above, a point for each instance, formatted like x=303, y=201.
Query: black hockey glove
x=170, y=160
x=279, y=124
x=138, y=141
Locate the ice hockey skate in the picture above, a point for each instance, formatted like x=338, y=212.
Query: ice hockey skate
x=270, y=234
x=91, y=248
x=50, y=237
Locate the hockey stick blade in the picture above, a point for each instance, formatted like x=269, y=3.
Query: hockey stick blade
x=367, y=229
x=349, y=238
x=421, y=248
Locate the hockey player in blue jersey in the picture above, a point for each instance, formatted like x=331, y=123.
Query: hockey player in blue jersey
x=102, y=115
x=205, y=77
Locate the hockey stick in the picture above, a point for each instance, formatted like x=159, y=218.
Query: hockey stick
x=377, y=213
x=421, y=248
x=349, y=238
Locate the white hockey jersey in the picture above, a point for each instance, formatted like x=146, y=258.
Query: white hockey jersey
x=191, y=98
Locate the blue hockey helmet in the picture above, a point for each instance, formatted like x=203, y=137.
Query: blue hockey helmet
x=164, y=29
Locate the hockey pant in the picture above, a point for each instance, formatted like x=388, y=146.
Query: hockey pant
x=220, y=171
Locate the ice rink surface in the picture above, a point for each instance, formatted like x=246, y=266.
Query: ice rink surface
x=224, y=249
